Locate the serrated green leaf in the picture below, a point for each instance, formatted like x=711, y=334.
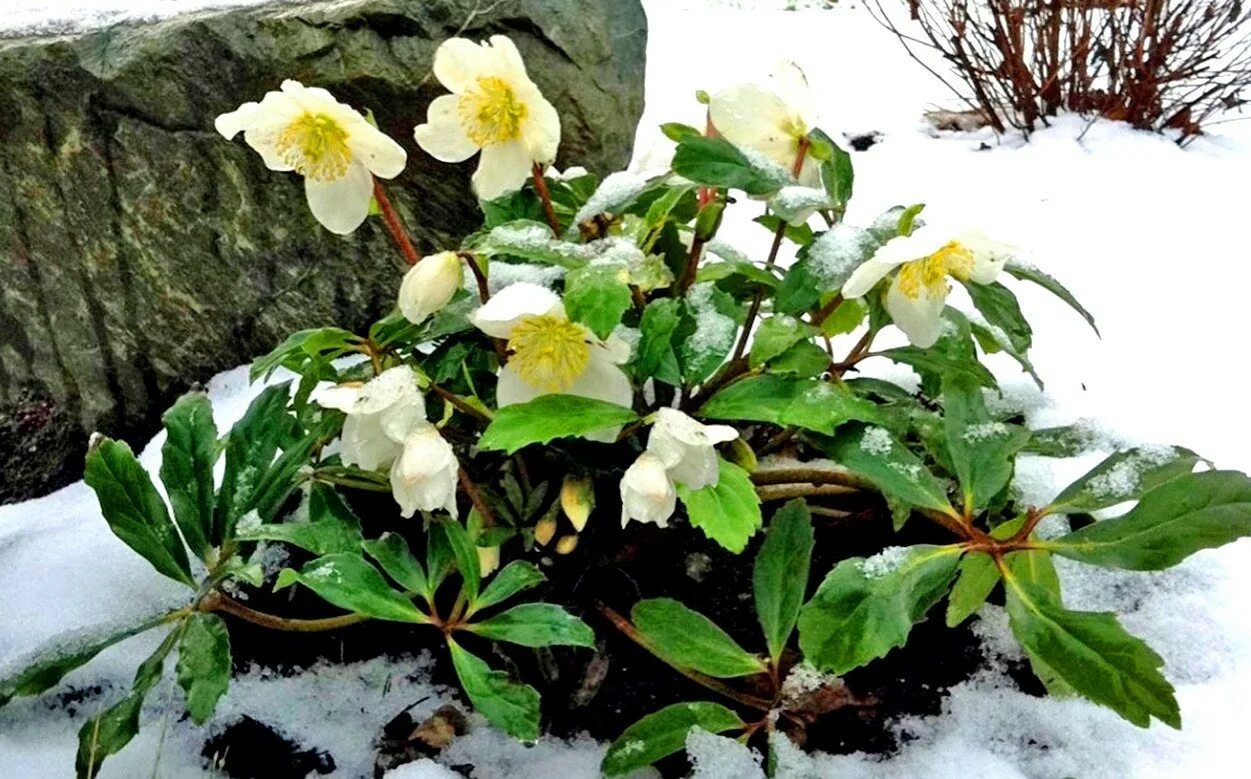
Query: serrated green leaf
x=838, y=175
x=332, y=527
x=775, y=335
x=655, y=356
x=1092, y=653
x=134, y=510
x=982, y=449
x=865, y=608
x=729, y=511
x=464, y=553
x=517, y=576
x=203, y=668
x=707, y=332
x=250, y=448
x=1124, y=476
x=780, y=574
x=1032, y=274
x=530, y=240
x=1171, y=522
x=187, y=461
x=1001, y=309
x=687, y=639
x=346, y=580
x=804, y=360
x=535, y=625
x=873, y=453
x=511, y=707
x=548, y=417
x=392, y=553
x=783, y=400
x=327, y=343
x=715, y=162
x=939, y=363
x=664, y=732
x=597, y=295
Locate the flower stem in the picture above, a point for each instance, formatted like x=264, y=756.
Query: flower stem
x=392, y=219
x=540, y=186
x=825, y=311
x=227, y=605
x=484, y=291
x=477, y=499
x=459, y=403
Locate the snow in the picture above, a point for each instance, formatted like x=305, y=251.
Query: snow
x=1109, y=215
x=837, y=253
x=884, y=562
x=876, y=441
x=614, y=191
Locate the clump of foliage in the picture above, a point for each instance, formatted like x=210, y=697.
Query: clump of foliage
x=631, y=364
x=1158, y=65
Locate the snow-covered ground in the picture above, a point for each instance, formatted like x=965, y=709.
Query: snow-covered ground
x=1144, y=233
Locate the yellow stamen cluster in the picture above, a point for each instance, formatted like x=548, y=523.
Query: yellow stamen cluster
x=315, y=146
x=549, y=352
x=491, y=112
x=931, y=272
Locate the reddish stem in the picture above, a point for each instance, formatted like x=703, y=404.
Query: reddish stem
x=398, y=233
x=540, y=186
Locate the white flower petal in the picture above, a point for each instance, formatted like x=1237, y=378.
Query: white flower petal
x=751, y=116
x=685, y=446
x=923, y=242
x=341, y=205
x=864, y=277
x=429, y=285
x=989, y=255
x=424, y=477
x=791, y=85
x=364, y=443
x=603, y=381
x=234, y=122
x=647, y=494
x=376, y=150
x=507, y=56
x=340, y=397
x=443, y=136
x=921, y=319
x=499, y=315
x=503, y=168
x=512, y=389
x=614, y=349
x=459, y=62
x=541, y=131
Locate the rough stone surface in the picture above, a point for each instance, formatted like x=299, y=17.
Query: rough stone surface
x=140, y=252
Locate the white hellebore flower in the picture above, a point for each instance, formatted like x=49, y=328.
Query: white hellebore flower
x=423, y=478
x=647, y=493
x=551, y=354
x=429, y=285
x=771, y=119
x=332, y=146
x=922, y=262
x=380, y=415
x=685, y=446
x=494, y=107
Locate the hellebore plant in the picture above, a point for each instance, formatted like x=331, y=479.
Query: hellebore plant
x=629, y=362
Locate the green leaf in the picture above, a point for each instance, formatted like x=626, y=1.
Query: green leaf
x=655, y=356
x=780, y=575
x=464, y=553
x=687, y=639
x=1170, y=523
x=551, y=416
x=59, y=659
x=597, y=295
x=325, y=343
x=865, y=608
x=872, y=452
x=187, y=461
x=1091, y=653
x=664, y=732
x=332, y=527
x=978, y=576
x=134, y=510
x=203, y=667
x=942, y=363
x=532, y=241
x=837, y=173
x=1124, y=476
x=994, y=340
x=775, y=335
x=250, y=449
x=983, y=450
x=536, y=624
x=804, y=360
x=513, y=578
x=1065, y=441
x=729, y=511
x=349, y=582
x=511, y=707
x=708, y=330
x=847, y=317
x=783, y=400
x=392, y=553
x=678, y=132
x=109, y=731
x=715, y=162
x=1001, y=309
x=1032, y=274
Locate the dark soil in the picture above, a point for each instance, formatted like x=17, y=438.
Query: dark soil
x=603, y=692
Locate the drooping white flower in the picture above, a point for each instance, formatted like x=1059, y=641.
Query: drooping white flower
x=647, y=492
x=380, y=415
x=551, y=354
x=335, y=149
x=772, y=119
x=921, y=263
x=424, y=476
x=494, y=108
x=429, y=285
x=685, y=446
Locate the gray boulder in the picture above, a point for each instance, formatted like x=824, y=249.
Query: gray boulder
x=141, y=253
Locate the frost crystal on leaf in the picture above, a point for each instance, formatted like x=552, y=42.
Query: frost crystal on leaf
x=884, y=562
x=837, y=253
x=1123, y=478
x=614, y=191
x=876, y=441
x=713, y=329
x=985, y=431
x=804, y=678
